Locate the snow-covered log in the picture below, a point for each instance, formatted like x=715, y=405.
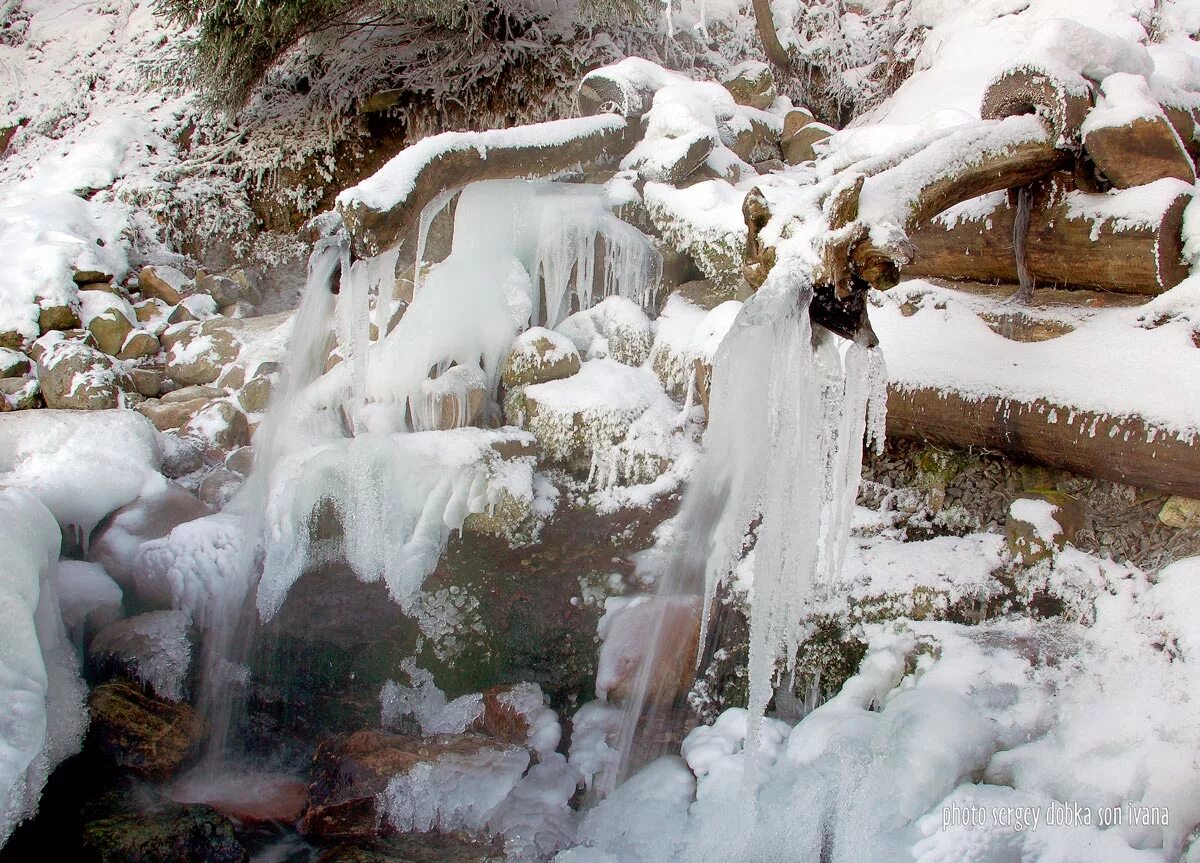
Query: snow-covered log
x=1129, y=241
x=1121, y=449
x=378, y=210
x=1063, y=98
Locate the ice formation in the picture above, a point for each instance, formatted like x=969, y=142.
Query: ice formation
x=42, y=716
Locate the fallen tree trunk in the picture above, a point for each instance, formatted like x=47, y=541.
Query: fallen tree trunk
x=1121, y=449
x=1075, y=240
x=1138, y=151
x=1064, y=100
x=380, y=209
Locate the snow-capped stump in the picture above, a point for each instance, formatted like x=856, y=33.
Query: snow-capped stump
x=13, y=364
x=1064, y=99
x=538, y=356
x=581, y=417
x=1042, y=522
x=217, y=428
x=614, y=328
x=90, y=600
x=198, y=353
x=154, y=650
x=751, y=83
x=75, y=376
x=627, y=631
x=163, y=283
x=1130, y=139
x=413, y=783
x=151, y=737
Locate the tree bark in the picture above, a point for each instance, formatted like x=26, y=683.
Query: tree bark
x=1142, y=151
x=1121, y=449
x=772, y=47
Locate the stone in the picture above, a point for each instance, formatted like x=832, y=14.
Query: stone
x=168, y=833
x=147, y=382
x=181, y=314
x=758, y=142
x=706, y=293
x=116, y=540
x=139, y=344
x=162, y=283
x=233, y=378
x=224, y=291
x=1029, y=539
x=240, y=309
x=12, y=339
x=202, y=352
x=1182, y=513
x=147, y=736
x=170, y=415
x=217, y=428
x=13, y=364
x=219, y=487
x=150, y=310
x=54, y=337
x=241, y=460
x=154, y=649
x=57, y=318
x=751, y=83
x=455, y=399
x=20, y=394
x=799, y=146
x=674, y=171
x=539, y=355
x=350, y=774
x=175, y=333
x=180, y=457
x=677, y=268
x=268, y=368
x=73, y=375
x=187, y=394
x=110, y=329
x=92, y=277
x=256, y=394
x=627, y=633
x=770, y=166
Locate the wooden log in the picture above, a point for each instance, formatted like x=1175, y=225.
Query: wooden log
x=378, y=211
x=764, y=20
x=1121, y=449
x=1138, y=152
x=1069, y=243
x=1064, y=100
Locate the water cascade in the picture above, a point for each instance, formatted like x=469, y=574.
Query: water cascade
x=789, y=406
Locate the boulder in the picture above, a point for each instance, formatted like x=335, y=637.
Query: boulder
x=168, y=833
x=1180, y=512
x=20, y=394
x=170, y=415
x=798, y=143
x=255, y=394
x=627, y=630
x=192, y=393
x=38, y=347
x=13, y=364
x=73, y=375
x=163, y=283
x=144, y=735
x=219, y=487
x=92, y=278
x=117, y=540
x=154, y=649
x=201, y=352
x=539, y=355
x=756, y=142
x=1042, y=522
x=151, y=310
x=351, y=774
x=181, y=314
x=57, y=318
x=11, y=339
x=138, y=345
x=751, y=83
x=241, y=460
x=218, y=427
x=147, y=382
x=110, y=329
x=180, y=457
x=616, y=328
x=454, y=399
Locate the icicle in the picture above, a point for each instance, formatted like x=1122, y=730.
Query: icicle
x=429, y=214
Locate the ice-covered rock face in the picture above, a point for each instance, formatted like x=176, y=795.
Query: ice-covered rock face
x=41, y=696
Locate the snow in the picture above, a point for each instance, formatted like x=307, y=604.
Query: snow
x=1110, y=365
x=42, y=716
x=156, y=647
x=427, y=704
x=615, y=327
x=88, y=597
x=1126, y=98
x=53, y=454
x=1039, y=514
x=193, y=568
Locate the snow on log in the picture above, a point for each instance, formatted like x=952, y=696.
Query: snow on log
x=625, y=88
x=1128, y=450
x=1130, y=138
x=1128, y=241
x=379, y=209
x=1064, y=98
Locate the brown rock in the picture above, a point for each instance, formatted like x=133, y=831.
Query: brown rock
x=57, y=318
x=627, y=642
x=234, y=378
x=187, y=394
x=14, y=365
x=148, y=310
x=139, y=344
x=1182, y=513
x=201, y=353
x=19, y=394
x=11, y=339
x=92, y=278
x=255, y=395
x=539, y=355
x=110, y=329
x=170, y=415
x=1027, y=543
x=181, y=314
x=218, y=487
x=758, y=143
x=241, y=460
x=162, y=283
x=147, y=736
x=73, y=375
x=798, y=146
x=752, y=84
x=147, y=382
x=217, y=428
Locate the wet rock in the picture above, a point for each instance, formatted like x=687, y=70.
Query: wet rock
x=1042, y=522
x=57, y=318
x=147, y=382
x=350, y=774
x=168, y=834
x=627, y=632
x=170, y=415
x=241, y=460
x=147, y=736
x=751, y=83
x=163, y=283
x=219, y=487
x=219, y=427
x=539, y=355
x=154, y=649
x=424, y=848
x=256, y=394
x=73, y=375
x=139, y=344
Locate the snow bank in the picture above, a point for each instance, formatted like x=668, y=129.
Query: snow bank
x=42, y=717
x=81, y=464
